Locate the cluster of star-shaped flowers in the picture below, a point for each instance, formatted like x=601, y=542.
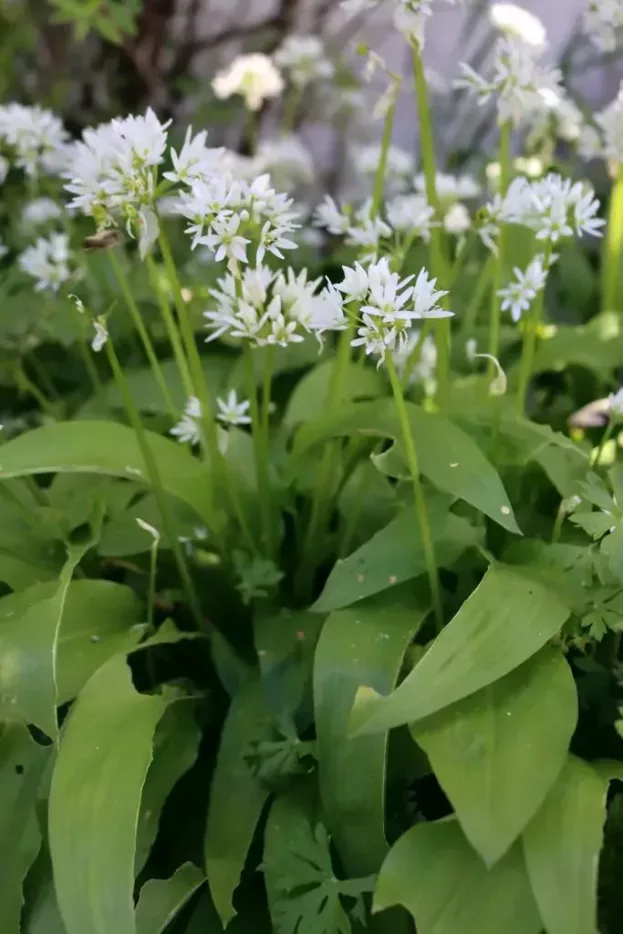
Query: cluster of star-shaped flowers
x=521, y=292
x=48, y=262
x=231, y=412
x=304, y=60
x=555, y=208
x=409, y=16
x=31, y=139
x=520, y=83
x=268, y=308
x=603, y=22
x=382, y=307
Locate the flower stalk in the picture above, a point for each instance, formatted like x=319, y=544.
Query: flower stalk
x=498, y=272
x=613, y=246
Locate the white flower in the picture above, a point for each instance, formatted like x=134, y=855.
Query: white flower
x=518, y=81
x=366, y=230
x=615, y=403
x=610, y=122
x=457, y=220
x=553, y=207
x=254, y=77
x=328, y=215
x=355, y=285
x=225, y=241
x=303, y=58
x=232, y=412
x=187, y=430
x=411, y=214
x=101, y=334
x=3, y=249
x=327, y=313
x=47, y=261
x=35, y=138
x=410, y=17
x=40, y=211
x=79, y=304
x=519, y=295
x=603, y=19
x=519, y=22
x=353, y=7
x=195, y=160
x=424, y=369
x=450, y=188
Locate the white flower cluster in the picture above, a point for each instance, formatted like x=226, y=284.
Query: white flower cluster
x=40, y=211
x=411, y=214
x=266, y=308
x=382, y=306
x=610, y=123
x=230, y=412
x=48, y=262
x=603, y=21
x=554, y=207
x=254, y=77
x=519, y=295
x=409, y=15
x=31, y=139
x=519, y=81
x=304, y=60
x=360, y=228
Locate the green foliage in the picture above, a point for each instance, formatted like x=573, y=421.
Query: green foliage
x=112, y=19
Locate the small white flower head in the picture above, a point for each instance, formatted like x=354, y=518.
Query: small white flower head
x=411, y=213
x=231, y=412
x=40, y=211
x=603, y=22
x=187, y=430
x=48, y=262
x=518, y=81
x=33, y=139
x=610, y=122
x=555, y=208
x=450, y=188
x=519, y=295
x=254, y=77
x=457, y=220
x=195, y=161
x=516, y=21
x=77, y=302
x=328, y=215
x=615, y=404
x=150, y=529
x=100, y=336
x=425, y=368
x=366, y=231
x=410, y=18
x=304, y=60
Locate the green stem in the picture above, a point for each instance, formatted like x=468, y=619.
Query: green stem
x=613, y=246
x=87, y=357
x=482, y=284
x=151, y=595
x=154, y=363
x=418, y=492
x=532, y=321
x=25, y=384
x=437, y=260
x=172, y=331
x=260, y=453
x=293, y=103
x=604, y=440
x=151, y=466
x=498, y=272
x=379, y=180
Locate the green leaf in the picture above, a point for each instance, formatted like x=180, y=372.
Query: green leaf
x=310, y=396
x=363, y=643
x=40, y=914
x=498, y=752
x=433, y=871
x=505, y=621
x=95, y=799
x=30, y=625
x=448, y=457
x=393, y=555
x=22, y=763
x=594, y=345
x=236, y=798
x=562, y=846
x=109, y=449
x=175, y=748
x=161, y=899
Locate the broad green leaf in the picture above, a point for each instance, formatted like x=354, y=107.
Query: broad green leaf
x=448, y=457
x=301, y=885
x=309, y=398
x=41, y=914
x=175, y=748
x=161, y=899
x=110, y=449
x=505, y=621
x=204, y=919
x=498, y=752
x=95, y=799
x=362, y=644
x=285, y=642
x=393, y=555
x=22, y=763
x=434, y=872
x=562, y=846
x=236, y=798
x=29, y=642
x=595, y=345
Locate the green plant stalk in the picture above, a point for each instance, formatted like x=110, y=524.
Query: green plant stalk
x=533, y=319
x=260, y=452
x=437, y=261
x=482, y=284
x=418, y=492
x=151, y=465
x=414, y=357
x=87, y=358
x=25, y=384
x=171, y=327
x=293, y=103
x=604, y=440
x=498, y=272
x=151, y=594
x=154, y=363
x=379, y=179
x=613, y=246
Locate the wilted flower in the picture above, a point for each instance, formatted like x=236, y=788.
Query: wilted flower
x=231, y=412
x=254, y=77
x=101, y=334
x=304, y=59
x=498, y=385
x=47, y=261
